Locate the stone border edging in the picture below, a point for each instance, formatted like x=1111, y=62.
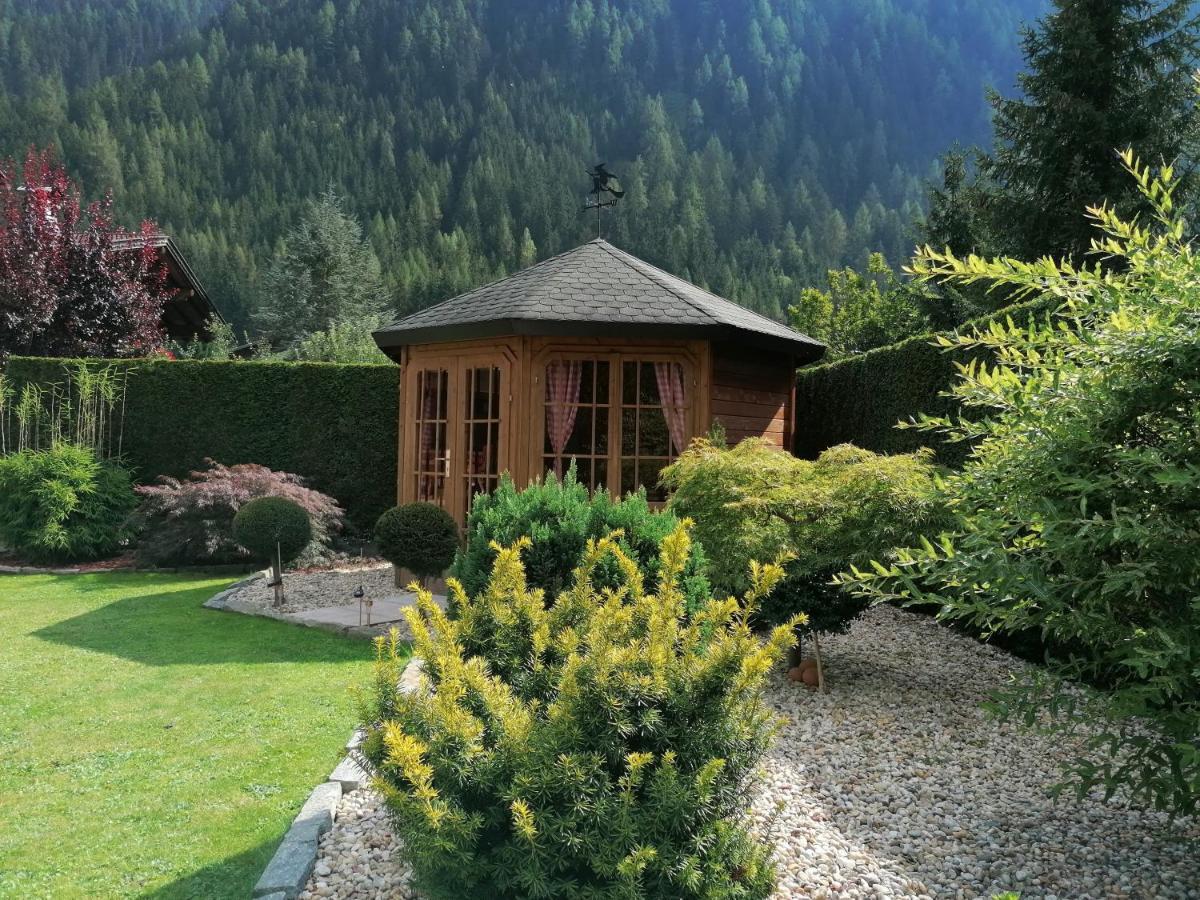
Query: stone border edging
x=236, y=569
x=292, y=865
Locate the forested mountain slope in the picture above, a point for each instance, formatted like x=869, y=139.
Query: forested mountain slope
x=760, y=142
x=79, y=41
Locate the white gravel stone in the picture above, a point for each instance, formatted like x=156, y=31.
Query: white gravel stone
x=306, y=591
x=894, y=784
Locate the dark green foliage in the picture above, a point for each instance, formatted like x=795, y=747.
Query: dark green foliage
x=861, y=400
x=62, y=504
x=829, y=609
x=560, y=517
x=602, y=745
x=1103, y=76
x=334, y=425
x=420, y=537
x=272, y=525
x=761, y=143
x=326, y=275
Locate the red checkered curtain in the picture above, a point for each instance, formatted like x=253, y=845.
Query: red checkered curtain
x=563, y=380
x=674, y=402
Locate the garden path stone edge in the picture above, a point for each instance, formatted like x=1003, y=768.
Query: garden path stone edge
x=294, y=860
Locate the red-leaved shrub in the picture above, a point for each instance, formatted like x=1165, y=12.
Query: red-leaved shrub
x=190, y=522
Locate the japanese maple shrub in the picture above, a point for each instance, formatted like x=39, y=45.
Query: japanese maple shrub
x=599, y=745
x=848, y=506
x=191, y=521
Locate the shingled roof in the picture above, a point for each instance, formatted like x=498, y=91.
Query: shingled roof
x=595, y=290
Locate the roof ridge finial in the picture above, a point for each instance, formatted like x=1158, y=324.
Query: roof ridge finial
x=602, y=183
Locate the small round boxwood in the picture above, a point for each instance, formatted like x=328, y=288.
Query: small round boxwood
x=269, y=522
x=420, y=537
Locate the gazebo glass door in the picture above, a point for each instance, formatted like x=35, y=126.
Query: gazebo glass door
x=481, y=405
x=458, y=415
x=432, y=469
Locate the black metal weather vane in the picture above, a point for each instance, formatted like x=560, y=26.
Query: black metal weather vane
x=603, y=182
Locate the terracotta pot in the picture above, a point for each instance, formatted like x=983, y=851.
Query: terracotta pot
x=809, y=663
x=795, y=674
x=809, y=676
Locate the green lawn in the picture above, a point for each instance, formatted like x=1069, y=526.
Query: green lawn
x=149, y=747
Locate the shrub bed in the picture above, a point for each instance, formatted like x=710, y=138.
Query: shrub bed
x=598, y=747
x=191, y=521
x=335, y=425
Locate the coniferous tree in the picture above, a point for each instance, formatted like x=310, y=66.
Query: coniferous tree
x=326, y=274
x=1104, y=75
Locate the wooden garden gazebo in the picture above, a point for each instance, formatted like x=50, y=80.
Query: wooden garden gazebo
x=593, y=356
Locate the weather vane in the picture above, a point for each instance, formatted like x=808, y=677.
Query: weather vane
x=602, y=183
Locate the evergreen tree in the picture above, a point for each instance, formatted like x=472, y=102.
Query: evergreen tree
x=326, y=274
x=1104, y=75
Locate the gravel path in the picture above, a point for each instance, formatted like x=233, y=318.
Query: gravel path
x=305, y=591
x=894, y=784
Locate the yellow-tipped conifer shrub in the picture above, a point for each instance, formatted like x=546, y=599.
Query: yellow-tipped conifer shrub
x=600, y=746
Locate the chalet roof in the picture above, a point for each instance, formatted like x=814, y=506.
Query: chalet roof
x=186, y=315
x=595, y=290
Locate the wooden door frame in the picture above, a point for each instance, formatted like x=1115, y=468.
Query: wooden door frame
x=456, y=360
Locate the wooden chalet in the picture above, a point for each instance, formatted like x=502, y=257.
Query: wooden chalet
x=187, y=314
x=593, y=356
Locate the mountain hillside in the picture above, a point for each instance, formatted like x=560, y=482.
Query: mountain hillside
x=760, y=141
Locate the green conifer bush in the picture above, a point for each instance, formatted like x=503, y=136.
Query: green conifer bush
x=560, y=517
x=597, y=746
x=420, y=537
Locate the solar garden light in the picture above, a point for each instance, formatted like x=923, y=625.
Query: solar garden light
x=361, y=596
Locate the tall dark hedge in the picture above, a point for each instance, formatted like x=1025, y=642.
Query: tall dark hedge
x=336, y=425
x=859, y=400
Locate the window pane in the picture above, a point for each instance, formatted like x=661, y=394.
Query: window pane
x=648, y=472
x=602, y=383
x=602, y=431
x=629, y=480
x=600, y=474
x=629, y=432
x=648, y=391
x=653, y=437
x=587, y=386
x=580, y=441
x=629, y=383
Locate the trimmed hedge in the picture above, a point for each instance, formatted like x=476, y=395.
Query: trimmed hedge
x=859, y=400
x=335, y=425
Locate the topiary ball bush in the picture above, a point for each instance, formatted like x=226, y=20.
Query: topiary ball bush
x=264, y=524
x=420, y=537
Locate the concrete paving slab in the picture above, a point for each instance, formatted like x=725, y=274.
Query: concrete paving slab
x=385, y=611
